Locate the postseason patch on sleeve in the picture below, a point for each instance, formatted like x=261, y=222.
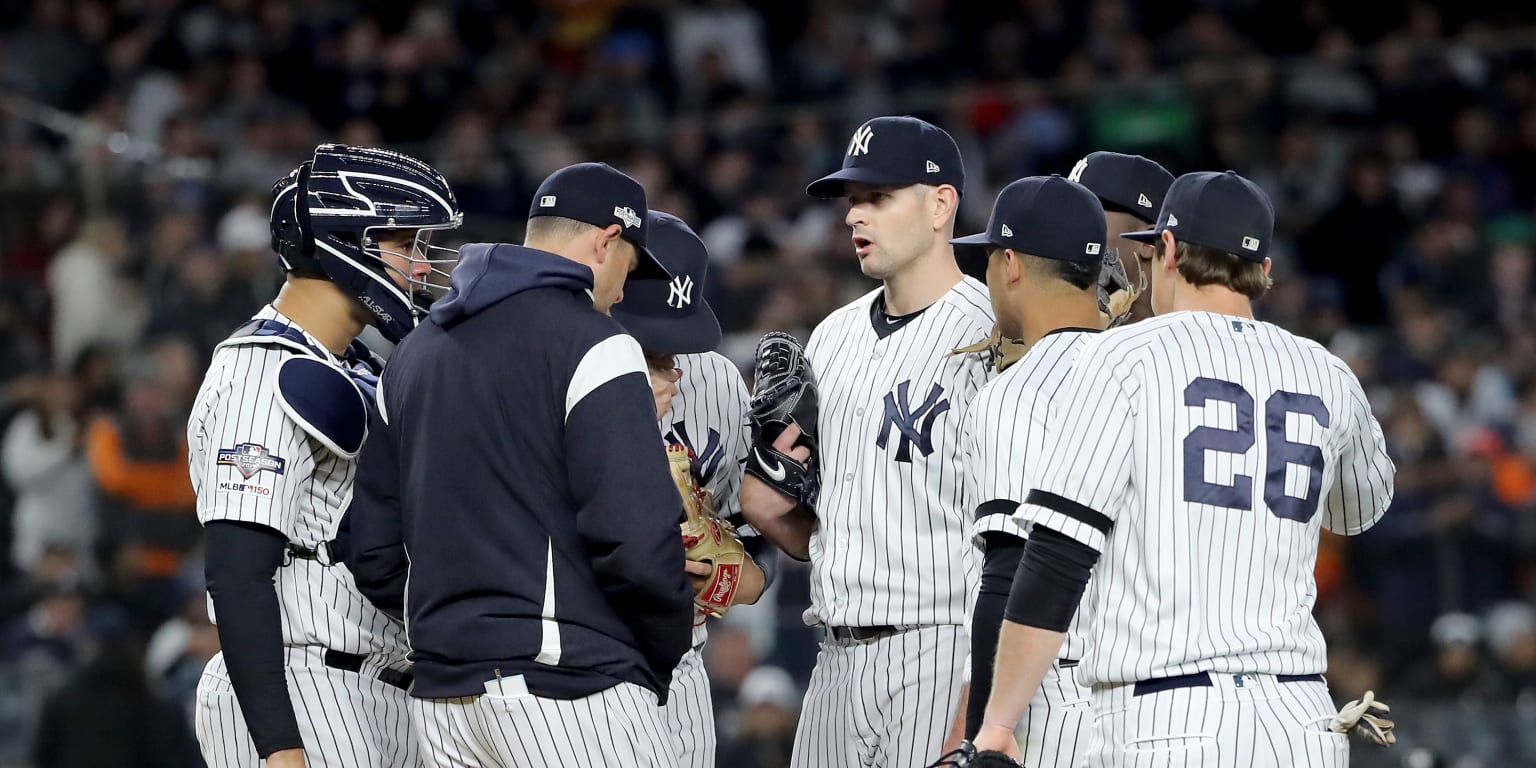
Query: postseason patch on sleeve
x=251, y=458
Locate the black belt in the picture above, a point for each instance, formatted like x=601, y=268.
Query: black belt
x=352, y=662
x=1203, y=679
x=862, y=634
x=1067, y=663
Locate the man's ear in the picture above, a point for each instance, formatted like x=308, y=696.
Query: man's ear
x=944, y=200
x=1013, y=266
x=603, y=240
x=1168, y=254
x=1267, y=265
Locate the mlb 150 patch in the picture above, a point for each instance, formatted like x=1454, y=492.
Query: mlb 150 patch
x=250, y=458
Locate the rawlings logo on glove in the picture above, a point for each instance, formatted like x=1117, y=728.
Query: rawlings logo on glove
x=707, y=539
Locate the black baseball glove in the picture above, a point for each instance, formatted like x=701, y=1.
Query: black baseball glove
x=966, y=756
x=784, y=392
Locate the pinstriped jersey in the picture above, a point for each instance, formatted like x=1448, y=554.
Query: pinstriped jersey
x=891, y=546
x=709, y=417
x=1004, y=440
x=251, y=462
x=1200, y=453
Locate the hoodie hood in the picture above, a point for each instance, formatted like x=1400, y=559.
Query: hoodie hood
x=489, y=272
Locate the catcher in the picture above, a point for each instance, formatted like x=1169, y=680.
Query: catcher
x=701, y=403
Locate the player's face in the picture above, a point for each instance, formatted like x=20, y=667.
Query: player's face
x=1135, y=257
x=1001, y=271
x=404, y=257
x=891, y=227
x=618, y=259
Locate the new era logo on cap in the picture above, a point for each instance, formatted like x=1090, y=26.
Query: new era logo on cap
x=933, y=167
x=1173, y=221
x=627, y=215
x=1006, y=231
x=1250, y=243
x=1144, y=201
x=547, y=201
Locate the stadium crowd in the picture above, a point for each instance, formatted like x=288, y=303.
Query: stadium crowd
x=139, y=140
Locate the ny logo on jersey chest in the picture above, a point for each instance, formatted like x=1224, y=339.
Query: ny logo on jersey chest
x=706, y=458
x=914, y=426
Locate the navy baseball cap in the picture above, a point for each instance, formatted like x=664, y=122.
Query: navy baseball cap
x=600, y=195
x=1127, y=183
x=1045, y=216
x=895, y=152
x=1223, y=211
x=671, y=316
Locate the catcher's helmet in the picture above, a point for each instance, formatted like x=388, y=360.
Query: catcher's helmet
x=326, y=215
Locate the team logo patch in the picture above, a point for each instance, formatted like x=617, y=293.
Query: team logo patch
x=680, y=291
x=250, y=458
x=627, y=215
x=859, y=144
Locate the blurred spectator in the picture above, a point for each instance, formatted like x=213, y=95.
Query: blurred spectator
x=761, y=733
x=138, y=457
x=90, y=302
x=1512, y=641
x=107, y=715
x=1458, y=671
x=43, y=459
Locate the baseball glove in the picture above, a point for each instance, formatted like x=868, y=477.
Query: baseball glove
x=999, y=350
x=1365, y=717
x=1116, y=293
x=966, y=756
x=784, y=392
x=707, y=539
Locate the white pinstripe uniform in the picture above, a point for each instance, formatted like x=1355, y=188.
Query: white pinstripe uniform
x=709, y=416
x=1195, y=450
x=891, y=547
x=252, y=460
x=1004, y=437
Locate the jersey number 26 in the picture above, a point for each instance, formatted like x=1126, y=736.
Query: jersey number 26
x=1280, y=452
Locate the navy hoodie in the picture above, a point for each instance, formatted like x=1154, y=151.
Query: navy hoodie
x=515, y=456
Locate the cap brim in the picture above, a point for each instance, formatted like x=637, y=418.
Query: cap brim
x=1143, y=236
x=978, y=239
x=647, y=266
x=698, y=332
x=836, y=184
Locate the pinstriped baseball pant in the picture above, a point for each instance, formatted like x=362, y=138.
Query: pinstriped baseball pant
x=1057, y=726
x=690, y=713
x=1256, y=721
x=618, y=726
x=346, y=719
x=888, y=702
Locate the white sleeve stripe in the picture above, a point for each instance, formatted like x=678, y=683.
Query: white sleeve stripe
x=1084, y=534
x=605, y=361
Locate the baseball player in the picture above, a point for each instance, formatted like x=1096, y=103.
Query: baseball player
x=891, y=561
x=529, y=528
x=1131, y=189
x=1190, y=460
x=705, y=412
x=310, y=672
x=1045, y=245
x=1006, y=423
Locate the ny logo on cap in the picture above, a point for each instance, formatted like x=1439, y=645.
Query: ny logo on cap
x=1143, y=201
x=1077, y=170
x=627, y=215
x=933, y=167
x=547, y=201
x=859, y=145
x=1250, y=243
x=1006, y=231
x=680, y=291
